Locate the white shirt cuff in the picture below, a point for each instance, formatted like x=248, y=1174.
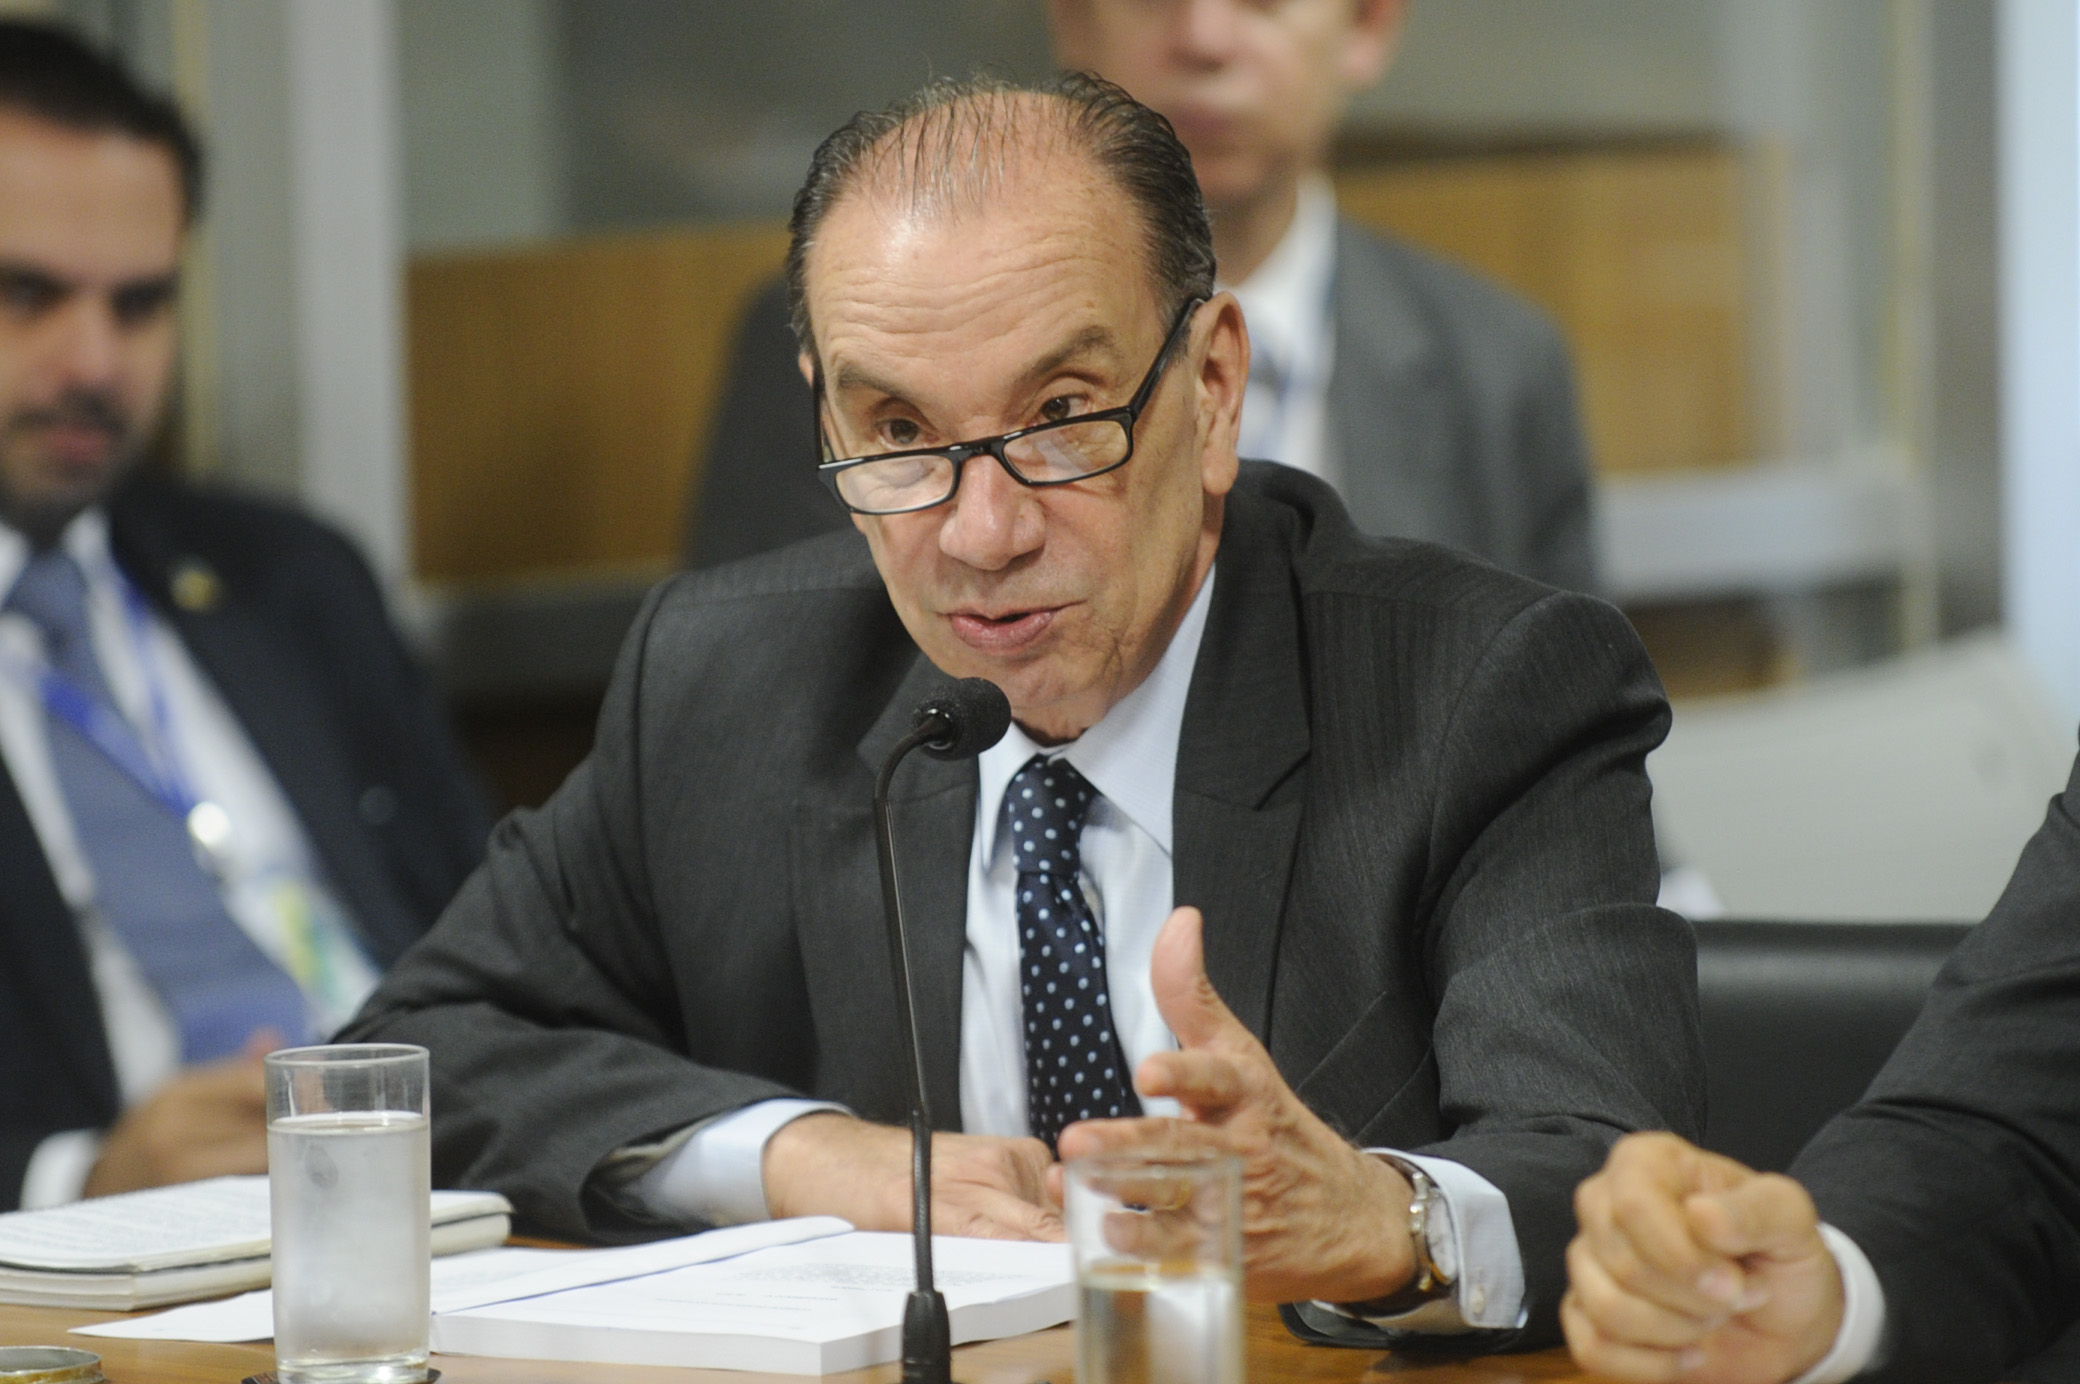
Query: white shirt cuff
x=1477, y=1241
x=717, y=1176
x=1863, y=1315
x=58, y=1171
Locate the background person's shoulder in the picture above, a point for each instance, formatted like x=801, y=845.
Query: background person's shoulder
x=1473, y=312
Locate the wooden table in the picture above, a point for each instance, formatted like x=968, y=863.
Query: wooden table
x=1274, y=1358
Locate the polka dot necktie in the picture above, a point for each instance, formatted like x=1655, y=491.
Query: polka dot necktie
x=1075, y=1068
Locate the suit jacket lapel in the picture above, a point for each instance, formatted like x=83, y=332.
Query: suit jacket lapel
x=282, y=715
x=844, y=937
x=1239, y=763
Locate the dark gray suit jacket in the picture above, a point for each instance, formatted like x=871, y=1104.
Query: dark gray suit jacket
x=1410, y=799
x=1959, y=1172
x=1451, y=406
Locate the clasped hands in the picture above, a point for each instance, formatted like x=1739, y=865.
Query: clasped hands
x=1690, y=1267
x=1320, y=1219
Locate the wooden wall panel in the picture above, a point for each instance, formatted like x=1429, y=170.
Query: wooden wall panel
x=559, y=394
x=1640, y=255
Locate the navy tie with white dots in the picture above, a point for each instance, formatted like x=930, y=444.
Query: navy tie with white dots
x=1075, y=1068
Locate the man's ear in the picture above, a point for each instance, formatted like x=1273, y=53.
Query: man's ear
x=806, y=363
x=1371, y=43
x=1219, y=345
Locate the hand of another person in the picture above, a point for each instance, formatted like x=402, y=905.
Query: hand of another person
x=1690, y=1267
x=828, y=1164
x=209, y=1121
x=1320, y=1218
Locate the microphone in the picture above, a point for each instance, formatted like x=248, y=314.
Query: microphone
x=966, y=719
x=958, y=723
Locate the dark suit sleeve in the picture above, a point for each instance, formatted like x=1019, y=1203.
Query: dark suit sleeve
x=1566, y=1003
x=757, y=487
x=546, y=999
x=1959, y=1172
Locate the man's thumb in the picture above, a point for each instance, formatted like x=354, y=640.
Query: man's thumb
x=1765, y=1214
x=1177, y=973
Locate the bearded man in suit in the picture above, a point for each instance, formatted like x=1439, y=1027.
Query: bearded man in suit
x=1437, y=404
x=1398, y=793
x=227, y=799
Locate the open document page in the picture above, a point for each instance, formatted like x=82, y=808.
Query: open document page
x=818, y=1307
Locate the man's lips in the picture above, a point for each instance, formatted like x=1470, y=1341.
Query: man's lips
x=70, y=443
x=1008, y=632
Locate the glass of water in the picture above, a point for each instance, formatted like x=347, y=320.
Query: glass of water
x=1158, y=1248
x=349, y=1171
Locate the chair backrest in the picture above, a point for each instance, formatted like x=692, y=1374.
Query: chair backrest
x=1798, y=1017
x=1892, y=793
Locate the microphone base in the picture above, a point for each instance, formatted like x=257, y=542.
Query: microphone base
x=927, y=1340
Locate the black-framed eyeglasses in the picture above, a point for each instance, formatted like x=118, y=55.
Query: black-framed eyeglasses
x=1072, y=449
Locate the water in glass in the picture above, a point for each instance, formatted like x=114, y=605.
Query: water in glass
x=350, y=1246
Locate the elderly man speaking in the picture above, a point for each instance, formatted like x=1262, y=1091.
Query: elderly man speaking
x=1417, y=979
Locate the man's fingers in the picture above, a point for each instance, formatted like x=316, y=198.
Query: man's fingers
x=1209, y=1084
x=1768, y=1214
x=1150, y=1135
x=1633, y=1218
x=1600, y=1355
x=1184, y=996
x=986, y=1214
x=1625, y=1316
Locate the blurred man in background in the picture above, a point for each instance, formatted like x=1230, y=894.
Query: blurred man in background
x=226, y=796
x=1440, y=406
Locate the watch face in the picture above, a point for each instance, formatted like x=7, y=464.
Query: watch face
x=1437, y=1233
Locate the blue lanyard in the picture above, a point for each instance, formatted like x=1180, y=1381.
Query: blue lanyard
x=108, y=731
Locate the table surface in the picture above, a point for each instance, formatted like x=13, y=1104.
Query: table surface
x=1274, y=1358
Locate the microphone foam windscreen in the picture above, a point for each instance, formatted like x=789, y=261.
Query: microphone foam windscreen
x=975, y=713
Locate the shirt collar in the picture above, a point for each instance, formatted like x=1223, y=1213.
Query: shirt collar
x=86, y=538
x=1286, y=301
x=1130, y=755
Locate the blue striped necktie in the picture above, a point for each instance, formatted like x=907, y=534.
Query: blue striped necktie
x=149, y=885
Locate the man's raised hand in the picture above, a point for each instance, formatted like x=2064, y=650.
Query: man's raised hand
x=1320, y=1219
x=1690, y=1267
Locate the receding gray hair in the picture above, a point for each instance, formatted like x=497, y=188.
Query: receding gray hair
x=947, y=148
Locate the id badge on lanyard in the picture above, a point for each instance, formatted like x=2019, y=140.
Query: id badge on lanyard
x=156, y=768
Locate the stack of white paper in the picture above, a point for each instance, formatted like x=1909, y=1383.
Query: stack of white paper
x=793, y=1297
x=814, y=1308
x=174, y=1244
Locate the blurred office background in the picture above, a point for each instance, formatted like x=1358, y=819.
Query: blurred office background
x=470, y=269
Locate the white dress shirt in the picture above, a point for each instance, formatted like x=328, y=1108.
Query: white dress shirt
x=1856, y=1343
x=272, y=886
x=712, y=1173
x=1292, y=339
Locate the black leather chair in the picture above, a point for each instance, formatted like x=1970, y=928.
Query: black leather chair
x=1798, y=1017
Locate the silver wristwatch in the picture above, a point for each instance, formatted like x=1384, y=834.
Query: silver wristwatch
x=1430, y=1246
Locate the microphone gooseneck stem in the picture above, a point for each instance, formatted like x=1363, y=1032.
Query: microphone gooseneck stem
x=927, y=1344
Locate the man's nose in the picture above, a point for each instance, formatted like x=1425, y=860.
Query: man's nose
x=993, y=520
x=1205, y=29
x=86, y=341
